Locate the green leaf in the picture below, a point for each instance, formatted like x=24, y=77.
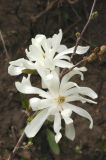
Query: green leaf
x=52, y=144
x=24, y=101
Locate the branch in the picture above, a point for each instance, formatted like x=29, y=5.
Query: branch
x=16, y=146
x=4, y=46
x=84, y=29
x=64, y=71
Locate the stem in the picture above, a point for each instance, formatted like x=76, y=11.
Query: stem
x=68, y=70
x=64, y=71
x=16, y=146
x=4, y=46
x=84, y=29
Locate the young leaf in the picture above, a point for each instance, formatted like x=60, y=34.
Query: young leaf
x=24, y=101
x=51, y=140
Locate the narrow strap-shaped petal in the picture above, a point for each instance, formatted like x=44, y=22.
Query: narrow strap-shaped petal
x=56, y=39
x=70, y=131
x=57, y=126
x=82, y=113
x=66, y=113
x=34, y=126
x=77, y=97
x=57, y=122
x=69, y=75
x=53, y=84
x=61, y=48
x=39, y=104
x=67, y=86
x=83, y=91
x=80, y=50
x=62, y=63
x=26, y=87
x=14, y=71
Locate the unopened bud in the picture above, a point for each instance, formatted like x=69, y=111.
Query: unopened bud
x=77, y=34
x=94, y=15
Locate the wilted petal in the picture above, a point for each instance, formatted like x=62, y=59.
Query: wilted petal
x=70, y=131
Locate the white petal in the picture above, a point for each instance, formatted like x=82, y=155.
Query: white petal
x=57, y=122
x=18, y=62
x=36, y=52
x=34, y=126
x=58, y=137
x=43, y=85
x=53, y=84
x=14, y=71
x=38, y=39
x=61, y=48
x=67, y=86
x=16, y=67
x=69, y=75
x=82, y=113
x=76, y=97
x=81, y=90
x=70, y=131
x=62, y=63
x=82, y=69
x=34, y=103
x=66, y=115
x=38, y=104
x=82, y=49
x=56, y=39
x=25, y=86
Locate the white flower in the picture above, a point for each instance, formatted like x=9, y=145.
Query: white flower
x=56, y=103
x=44, y=55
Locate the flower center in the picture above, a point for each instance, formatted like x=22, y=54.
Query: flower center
x=60, y=99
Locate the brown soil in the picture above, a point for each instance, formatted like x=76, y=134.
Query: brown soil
x=20, y=20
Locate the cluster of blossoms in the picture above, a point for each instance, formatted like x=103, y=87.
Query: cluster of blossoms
x=47, y=56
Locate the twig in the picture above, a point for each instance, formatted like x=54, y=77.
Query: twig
x=64, y=71
x=84, y=29
x=4, y=46
x=68, y=70
x=49, y=6
x=16, y=146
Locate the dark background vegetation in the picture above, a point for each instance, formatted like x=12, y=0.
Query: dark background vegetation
x=20, y=20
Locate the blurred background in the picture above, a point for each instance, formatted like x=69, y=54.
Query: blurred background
x=21, y=20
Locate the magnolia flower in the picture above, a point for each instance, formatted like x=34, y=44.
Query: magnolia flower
x=56, y=103
x=44, y=55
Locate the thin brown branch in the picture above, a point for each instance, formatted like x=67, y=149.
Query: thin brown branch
x=84, y=29
x=68, y=70
x=49, y=6
x=4, y=46
x=64, y=71
x=17, y=146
